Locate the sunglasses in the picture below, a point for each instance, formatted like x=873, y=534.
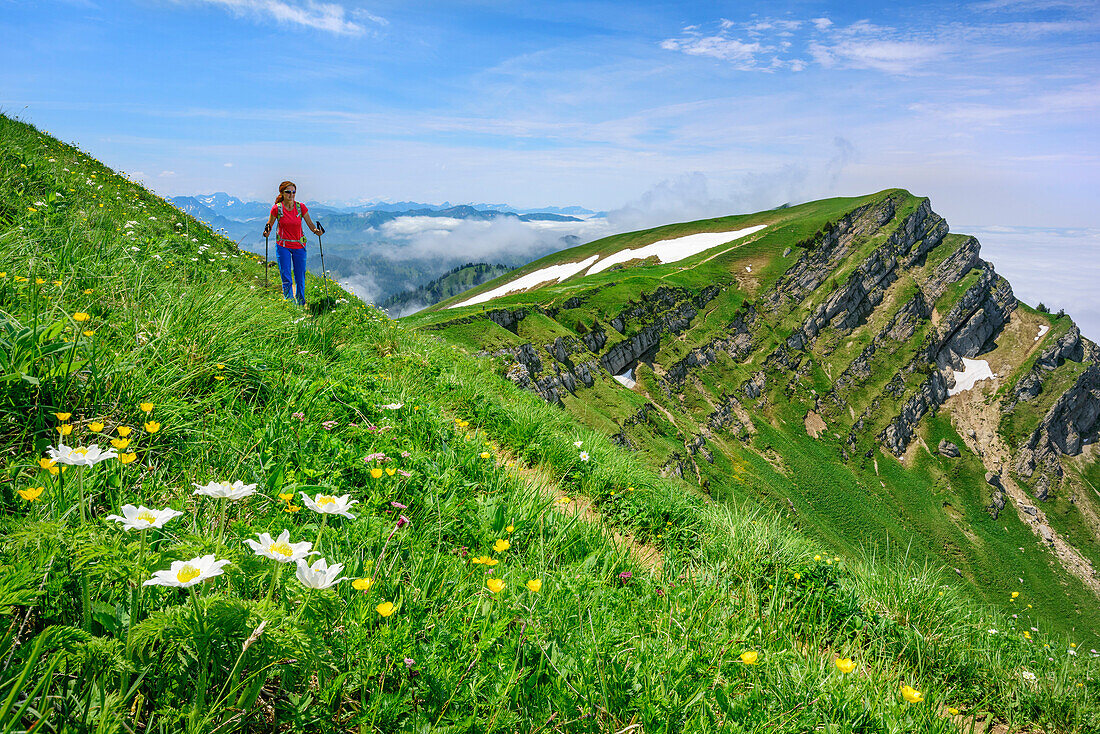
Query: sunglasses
x=290, y=191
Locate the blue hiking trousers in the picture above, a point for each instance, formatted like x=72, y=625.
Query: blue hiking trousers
x=295, y=258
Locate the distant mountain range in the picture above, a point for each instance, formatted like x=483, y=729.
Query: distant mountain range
x=381, y=248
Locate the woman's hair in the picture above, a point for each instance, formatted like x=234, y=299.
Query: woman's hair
x=283, y=185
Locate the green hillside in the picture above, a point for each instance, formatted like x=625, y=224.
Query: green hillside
x=663, y=609
x=730, y=379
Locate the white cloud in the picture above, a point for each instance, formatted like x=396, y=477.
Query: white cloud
x=362, y=285
x=821, y=24
x=506, y=239
x=323, y=16
x=893, y=57
x=228, y=165
x=719, y=47
x=167, y=174
x=412, y=226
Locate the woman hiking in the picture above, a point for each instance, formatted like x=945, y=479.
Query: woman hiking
x=290, y=243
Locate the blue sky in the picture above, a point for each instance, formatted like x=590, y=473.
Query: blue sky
x=667, y=110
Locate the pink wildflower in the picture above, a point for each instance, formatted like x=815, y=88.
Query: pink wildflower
x=404, y=473
x=402, y=521
x=299, y=416
x=399, y=506
x=328, y=425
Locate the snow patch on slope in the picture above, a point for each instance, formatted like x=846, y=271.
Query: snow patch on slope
x=973, y=371
x=551, y=272
x=677, y=248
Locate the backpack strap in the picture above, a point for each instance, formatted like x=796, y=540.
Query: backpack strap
x=297, y=210
x=279, y=217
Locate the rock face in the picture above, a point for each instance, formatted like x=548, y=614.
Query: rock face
x=946, y=448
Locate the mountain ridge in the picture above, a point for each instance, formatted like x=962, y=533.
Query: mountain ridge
x=856, y=323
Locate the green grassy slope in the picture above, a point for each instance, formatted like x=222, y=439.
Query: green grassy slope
x=738, y=630
x=851, y=495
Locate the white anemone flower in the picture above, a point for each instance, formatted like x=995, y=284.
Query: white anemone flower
x=188, y=573
x=80, y=456
x=320, y=575
x=393, y=406
x=143, y=518
x=280, y=549
x=578, y=444
x=328, y=504
x=584, y=456
x=238, y=490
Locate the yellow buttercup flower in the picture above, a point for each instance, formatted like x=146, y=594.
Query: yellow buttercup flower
x=127, y=458
x=38, y=281
x=89, y=291
x=912, y=695
x=817, y=558
x=845, y=665
x=220, y=366
x=47, y=463
x=291, y=508
x=390, y=471
x=120, y=443
x=952, y=710
x=510, y=529
x=123, y=431
x=376, y=472
x=65, y=429
x=495, y=585
x=534, y=585
x=219, y=377
x=31, y=494
x=797, y=576
x=57, y=283
x=1015, y=594
x=286, y=497
x=81, y=316
x=484, y=560
x=750, y=657
x=95, y=426
x=485, y=454
x=501, y=545
x=362, y=584
x=385, y=608
x=88, y=332
x=152, y=426
x=63, y=416
x=146, y=407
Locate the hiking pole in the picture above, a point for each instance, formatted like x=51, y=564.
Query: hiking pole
x=324, y=273
x=265, y=261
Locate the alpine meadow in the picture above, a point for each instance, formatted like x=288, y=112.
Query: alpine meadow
x=823, y=472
